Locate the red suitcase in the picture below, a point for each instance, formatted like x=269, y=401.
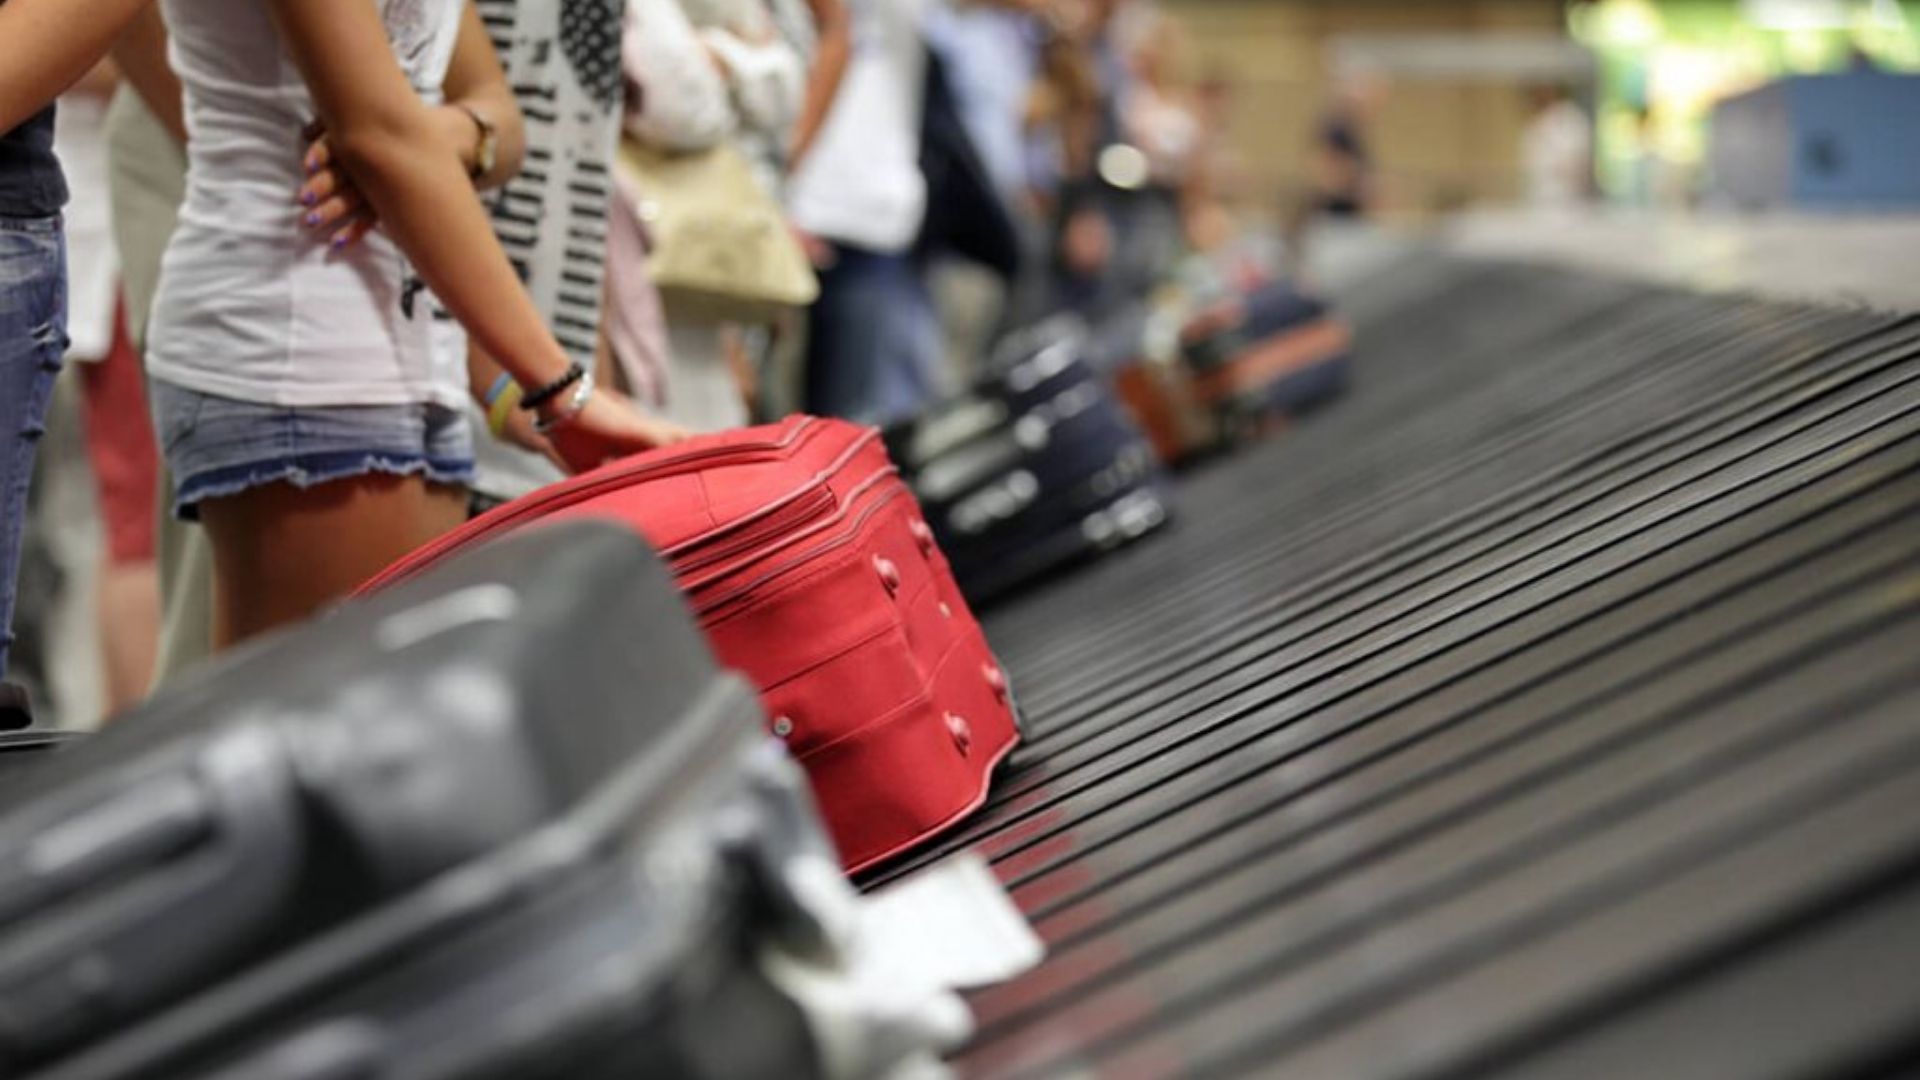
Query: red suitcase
x=807, y=562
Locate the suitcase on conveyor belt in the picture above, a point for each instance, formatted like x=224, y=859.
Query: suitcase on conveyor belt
x=1139, y=349
x=22, y=750
x=319, y=817
x=814, y=574
x=1273, y=354
x=1036, y=465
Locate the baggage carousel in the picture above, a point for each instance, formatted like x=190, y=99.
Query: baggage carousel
x=1548, y=707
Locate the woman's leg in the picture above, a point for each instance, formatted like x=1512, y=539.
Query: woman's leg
x=283, y=553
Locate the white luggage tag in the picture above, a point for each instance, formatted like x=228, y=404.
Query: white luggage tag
x=891, y=1005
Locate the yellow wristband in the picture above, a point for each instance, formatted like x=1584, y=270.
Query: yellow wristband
x=502, y=409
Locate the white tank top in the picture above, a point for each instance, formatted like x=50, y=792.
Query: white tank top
x=252, y=305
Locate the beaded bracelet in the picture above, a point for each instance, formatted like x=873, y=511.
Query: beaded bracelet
x=553, y=389
x=574, y=407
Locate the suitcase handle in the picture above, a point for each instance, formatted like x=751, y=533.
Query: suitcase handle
x=143, y=825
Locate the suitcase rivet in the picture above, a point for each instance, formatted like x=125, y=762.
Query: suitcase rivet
x=962, y=733
x=996, y=679
x=889, y=573
x=783, y=726
x=922, y=535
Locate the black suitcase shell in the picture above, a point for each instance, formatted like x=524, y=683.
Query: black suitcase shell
x=323, y=773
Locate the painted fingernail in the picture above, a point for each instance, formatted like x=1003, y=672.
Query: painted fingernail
x=309, y=198
x=339, y=242
x=313, y=219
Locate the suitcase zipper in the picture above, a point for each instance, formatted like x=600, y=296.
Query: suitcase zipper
x=745, y=532
x=705, y=607
x=702, y=552
x=689, y=584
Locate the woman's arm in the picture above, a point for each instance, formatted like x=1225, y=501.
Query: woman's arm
x=683, y=103
x=141, y=53
x=476, y=83
x=475, y=86
x=830, y=59
x=376, y=128
x=47, y=46
x=99, y=82
x=766, y=80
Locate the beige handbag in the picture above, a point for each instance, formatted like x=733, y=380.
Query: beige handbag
x=720, y=245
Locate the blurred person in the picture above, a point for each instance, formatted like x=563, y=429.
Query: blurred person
x=1556, y=150
x=992, y=53
x=859, y=198
x=1072, y=106
x=119, y=437
x=1073, y=114
x=1217, y=179
x=307, y=413
x=1343, y=162
x=1124, y=204
x=823, y=31
x=707, y=72
x=989, y=55
x=46, y=46
x=1157, y=115
x=774, y=357
x=1158, y=118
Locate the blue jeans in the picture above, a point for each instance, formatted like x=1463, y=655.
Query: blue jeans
x=873, y=342
x=33, y=338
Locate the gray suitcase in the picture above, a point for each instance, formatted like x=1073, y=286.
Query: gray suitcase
x=22, y=750
x=500, y=715
x=623, y=941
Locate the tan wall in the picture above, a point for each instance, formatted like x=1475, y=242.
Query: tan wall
x=1435, y=141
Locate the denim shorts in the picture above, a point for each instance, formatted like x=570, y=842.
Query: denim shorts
x=33, y=338
x=218, y=446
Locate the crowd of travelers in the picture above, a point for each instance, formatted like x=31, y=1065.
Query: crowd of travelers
x=337, y=276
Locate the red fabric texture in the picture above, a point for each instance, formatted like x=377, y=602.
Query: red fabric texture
x=810, y=568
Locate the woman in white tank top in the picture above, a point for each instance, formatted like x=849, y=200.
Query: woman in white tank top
x=309, y=417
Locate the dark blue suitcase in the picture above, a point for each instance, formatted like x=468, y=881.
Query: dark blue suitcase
x=1036, y=465
x=1274, y=354
x=1276, y=309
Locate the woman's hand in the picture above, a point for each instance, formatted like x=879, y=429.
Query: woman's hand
x=520, y=433
x=333, y=204
x=611, y=426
